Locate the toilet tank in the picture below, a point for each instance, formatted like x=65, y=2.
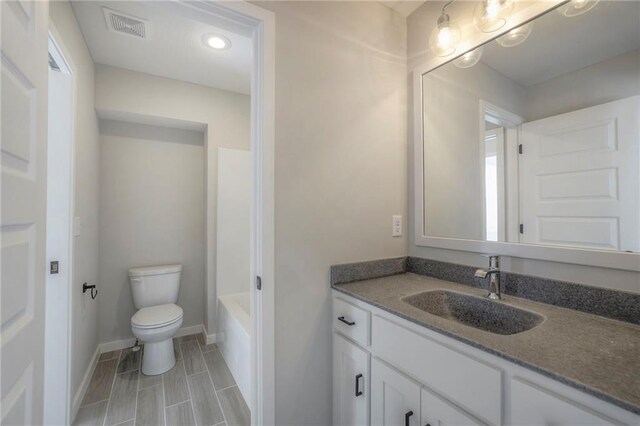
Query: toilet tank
x=155, y=285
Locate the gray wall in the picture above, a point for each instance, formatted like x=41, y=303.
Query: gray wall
x=84, y=335
x=419, y=24
x=606, y=81
x=152, y=207
x=340, y=175
x=149, y=99
x=451, y=140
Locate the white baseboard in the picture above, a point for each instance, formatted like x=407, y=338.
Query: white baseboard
x=127, y=343
x=79, y=396
x=209, y=338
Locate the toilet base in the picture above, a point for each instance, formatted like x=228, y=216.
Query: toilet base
x=158, y=357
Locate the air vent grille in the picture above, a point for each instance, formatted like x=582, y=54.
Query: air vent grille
x=126, y=24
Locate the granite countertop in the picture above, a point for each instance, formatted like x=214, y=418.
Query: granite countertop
x=594, y=354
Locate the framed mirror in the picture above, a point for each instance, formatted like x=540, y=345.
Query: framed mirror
x=529, y=145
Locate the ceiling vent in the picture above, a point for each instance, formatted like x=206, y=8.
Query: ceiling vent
x=126, y=24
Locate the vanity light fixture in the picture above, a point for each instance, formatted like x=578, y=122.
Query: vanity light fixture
x=491, y=15
x=469, y=59
x=445, y=36
x=577, y=7
x=516, y=36
x=216, y=41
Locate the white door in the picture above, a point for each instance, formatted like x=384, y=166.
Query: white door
x=23, y=211
x=580, y=178
x=533, y=405
x=350, y=383
x=437, y=411
x=395, y=398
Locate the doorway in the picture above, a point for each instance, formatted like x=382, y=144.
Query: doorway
x=59, y=237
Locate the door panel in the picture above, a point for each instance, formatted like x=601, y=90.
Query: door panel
x=534, y=405
x=22, y=218
x=350, y=383
x=579, y=178
x=395, y=398
x=437, y=411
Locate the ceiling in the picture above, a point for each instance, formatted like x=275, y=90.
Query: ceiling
x=173, y=48
x=403, y=7
x=559, y=45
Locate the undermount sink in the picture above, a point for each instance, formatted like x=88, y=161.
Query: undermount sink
x=484, y=314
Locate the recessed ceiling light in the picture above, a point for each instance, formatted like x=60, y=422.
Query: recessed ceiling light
x=216, y=41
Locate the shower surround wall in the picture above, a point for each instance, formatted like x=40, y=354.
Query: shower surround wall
x=223, y=116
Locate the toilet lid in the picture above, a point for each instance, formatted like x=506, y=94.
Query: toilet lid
x=156, y=316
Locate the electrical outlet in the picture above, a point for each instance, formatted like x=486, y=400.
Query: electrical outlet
x=396, y=226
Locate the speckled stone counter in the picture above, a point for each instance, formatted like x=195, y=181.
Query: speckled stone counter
x=597, y=355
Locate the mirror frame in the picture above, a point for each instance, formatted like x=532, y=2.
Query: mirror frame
x=598, y=258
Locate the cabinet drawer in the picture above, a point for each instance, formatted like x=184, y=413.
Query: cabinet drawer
x=532, y=404
x=351, y=321
x=471, y=384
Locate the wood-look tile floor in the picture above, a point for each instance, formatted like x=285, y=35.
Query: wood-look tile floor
x=199, y=390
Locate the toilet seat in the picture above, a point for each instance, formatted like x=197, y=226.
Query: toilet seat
x=156, y=316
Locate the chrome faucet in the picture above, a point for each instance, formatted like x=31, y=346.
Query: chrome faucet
x=494, y=279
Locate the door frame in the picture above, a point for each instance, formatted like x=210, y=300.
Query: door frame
x=258, y=24
x=62, y=55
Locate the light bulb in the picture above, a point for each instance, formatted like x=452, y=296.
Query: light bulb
x=491, y=15
x=577, y=7
x=516, y=36
x=444, y=37
x=469, y=59
x=216, y=41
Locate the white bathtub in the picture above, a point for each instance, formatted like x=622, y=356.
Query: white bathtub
x=233, y=339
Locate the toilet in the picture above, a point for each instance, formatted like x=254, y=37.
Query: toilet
x=155, y=293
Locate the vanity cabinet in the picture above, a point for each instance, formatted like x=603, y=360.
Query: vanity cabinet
x=350, y=383
x=390, y=371
x=534, y=405
x=395, y=398
x=437, y=411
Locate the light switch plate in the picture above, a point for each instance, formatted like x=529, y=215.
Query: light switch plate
x=396, y=226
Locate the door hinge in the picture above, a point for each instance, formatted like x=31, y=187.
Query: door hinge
x=258, y=282
x=522, y=228
x=54, y=267
x=520, y=149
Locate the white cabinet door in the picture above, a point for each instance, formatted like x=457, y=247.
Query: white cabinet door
x=534, y=405
x=395, y=398
x=437, y=411
x=350, y=383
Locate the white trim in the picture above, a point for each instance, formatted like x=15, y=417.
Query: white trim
x=210, y=338
x=114, y=345
x=84, y=385
x=63, y=57
x=600, y=258
x=259, y=23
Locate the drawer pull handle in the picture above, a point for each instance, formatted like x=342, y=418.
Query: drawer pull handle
x=407, y=418
x=358, y=391
x=345, y=321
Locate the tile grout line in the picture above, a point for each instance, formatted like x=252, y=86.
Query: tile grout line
x=228, y=387
x=186, y=378
x=213, y=386
x=115, y=376
x=135, y=410
x=164, y=410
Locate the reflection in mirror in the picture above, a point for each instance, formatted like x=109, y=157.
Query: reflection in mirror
x=534, y=137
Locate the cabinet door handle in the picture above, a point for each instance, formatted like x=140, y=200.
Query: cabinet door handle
x=358, y=391
x=407, y=418
x=341, y=319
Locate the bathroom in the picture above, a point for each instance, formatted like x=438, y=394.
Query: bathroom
x=371, y=212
